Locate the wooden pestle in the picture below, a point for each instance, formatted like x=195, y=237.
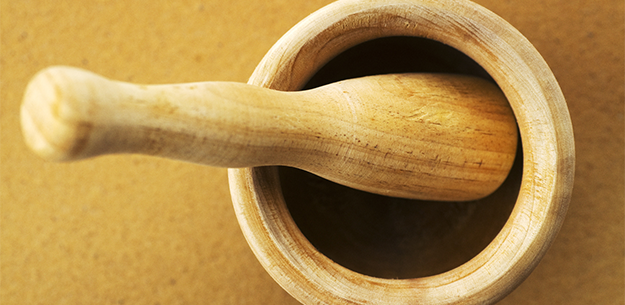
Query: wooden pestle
x=421, y=136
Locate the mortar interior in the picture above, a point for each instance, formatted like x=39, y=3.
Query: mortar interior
x=392, y=237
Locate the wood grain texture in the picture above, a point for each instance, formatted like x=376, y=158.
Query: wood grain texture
x=132, y=229
x=544, y=123
x=142, y=230
x=420, y=136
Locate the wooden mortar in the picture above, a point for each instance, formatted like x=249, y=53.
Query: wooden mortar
x=547, y=156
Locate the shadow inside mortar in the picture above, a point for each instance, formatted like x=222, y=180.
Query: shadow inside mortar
x=392, y=237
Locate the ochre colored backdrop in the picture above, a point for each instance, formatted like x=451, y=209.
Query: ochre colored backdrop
x=141, y=230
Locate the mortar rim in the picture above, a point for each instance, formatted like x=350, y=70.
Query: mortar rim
x=545, y=128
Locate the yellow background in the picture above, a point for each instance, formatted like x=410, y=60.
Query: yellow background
x=142, y=230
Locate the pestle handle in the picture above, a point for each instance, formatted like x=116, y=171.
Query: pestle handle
x=422, y=136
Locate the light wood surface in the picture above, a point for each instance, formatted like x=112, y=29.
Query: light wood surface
x=142, y=230
x=548, y=157
x=419, y=136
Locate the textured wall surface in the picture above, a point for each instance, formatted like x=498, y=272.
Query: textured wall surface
x=142, y=230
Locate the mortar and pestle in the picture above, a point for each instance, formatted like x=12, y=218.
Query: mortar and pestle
x=435, y=200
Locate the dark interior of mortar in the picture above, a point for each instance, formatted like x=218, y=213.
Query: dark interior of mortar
x=391, y=237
